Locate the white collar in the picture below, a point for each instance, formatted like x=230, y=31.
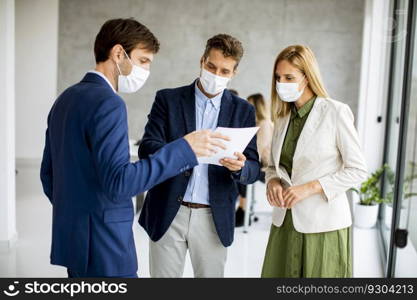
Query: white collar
x=102, y=76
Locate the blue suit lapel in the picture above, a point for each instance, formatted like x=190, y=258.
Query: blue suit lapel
x=224, y=120
x=226, y=110
x=188, y=107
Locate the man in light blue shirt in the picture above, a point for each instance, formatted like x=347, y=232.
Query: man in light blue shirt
x=195, y=210
x=207, y=115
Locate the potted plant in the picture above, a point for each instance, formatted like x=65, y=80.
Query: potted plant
x=366, y=210
x=406, y=194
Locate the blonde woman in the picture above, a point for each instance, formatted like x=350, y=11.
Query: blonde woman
x=315, y=159
x=263, y=141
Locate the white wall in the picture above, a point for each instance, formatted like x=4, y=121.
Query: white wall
x=7, y=128
x=36, y=73
x=332, y=28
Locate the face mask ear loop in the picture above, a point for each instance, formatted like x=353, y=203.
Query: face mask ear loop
x=117, y=65
x=120, y=72
x=128, y=57
x=202, y=66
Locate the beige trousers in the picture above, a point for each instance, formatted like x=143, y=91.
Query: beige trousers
x=192, y=229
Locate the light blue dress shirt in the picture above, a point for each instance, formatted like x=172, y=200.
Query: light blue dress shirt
x=206, y=116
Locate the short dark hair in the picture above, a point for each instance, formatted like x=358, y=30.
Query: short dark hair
x=129, y=33
x=230, y=47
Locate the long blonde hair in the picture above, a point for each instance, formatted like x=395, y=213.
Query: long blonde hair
x=304, y=60
x=258, y=101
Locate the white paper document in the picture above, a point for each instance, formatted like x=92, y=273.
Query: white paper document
x=239, y=139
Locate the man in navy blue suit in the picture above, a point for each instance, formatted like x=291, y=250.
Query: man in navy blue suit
x=195, y=210
x=86, y=171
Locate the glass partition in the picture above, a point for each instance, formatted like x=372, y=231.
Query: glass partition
x=398, y=216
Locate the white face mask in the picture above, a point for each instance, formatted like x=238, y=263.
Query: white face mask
x=213, y=84
x=134, y=81
x=289, y=92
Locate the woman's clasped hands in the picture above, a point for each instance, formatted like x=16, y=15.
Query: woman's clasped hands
x=282, y=197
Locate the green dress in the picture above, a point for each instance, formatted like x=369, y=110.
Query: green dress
x=294, y=254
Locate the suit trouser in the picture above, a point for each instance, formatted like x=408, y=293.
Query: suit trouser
x=75, y=274
x=192, y=229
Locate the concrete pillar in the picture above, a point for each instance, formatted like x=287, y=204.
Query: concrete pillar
x=37, y=30
x=8, y=233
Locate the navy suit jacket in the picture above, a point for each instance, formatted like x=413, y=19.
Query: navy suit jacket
x=87, y=175
x=173, y=116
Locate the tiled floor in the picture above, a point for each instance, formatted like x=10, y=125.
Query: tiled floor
x=30, y=258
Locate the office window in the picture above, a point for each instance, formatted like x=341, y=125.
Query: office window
x=398, y=217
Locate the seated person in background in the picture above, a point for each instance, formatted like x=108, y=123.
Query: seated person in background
x=264, y=138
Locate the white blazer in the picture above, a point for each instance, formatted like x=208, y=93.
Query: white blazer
x=328, y=150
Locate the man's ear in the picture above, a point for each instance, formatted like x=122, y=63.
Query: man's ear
x=116, y=53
